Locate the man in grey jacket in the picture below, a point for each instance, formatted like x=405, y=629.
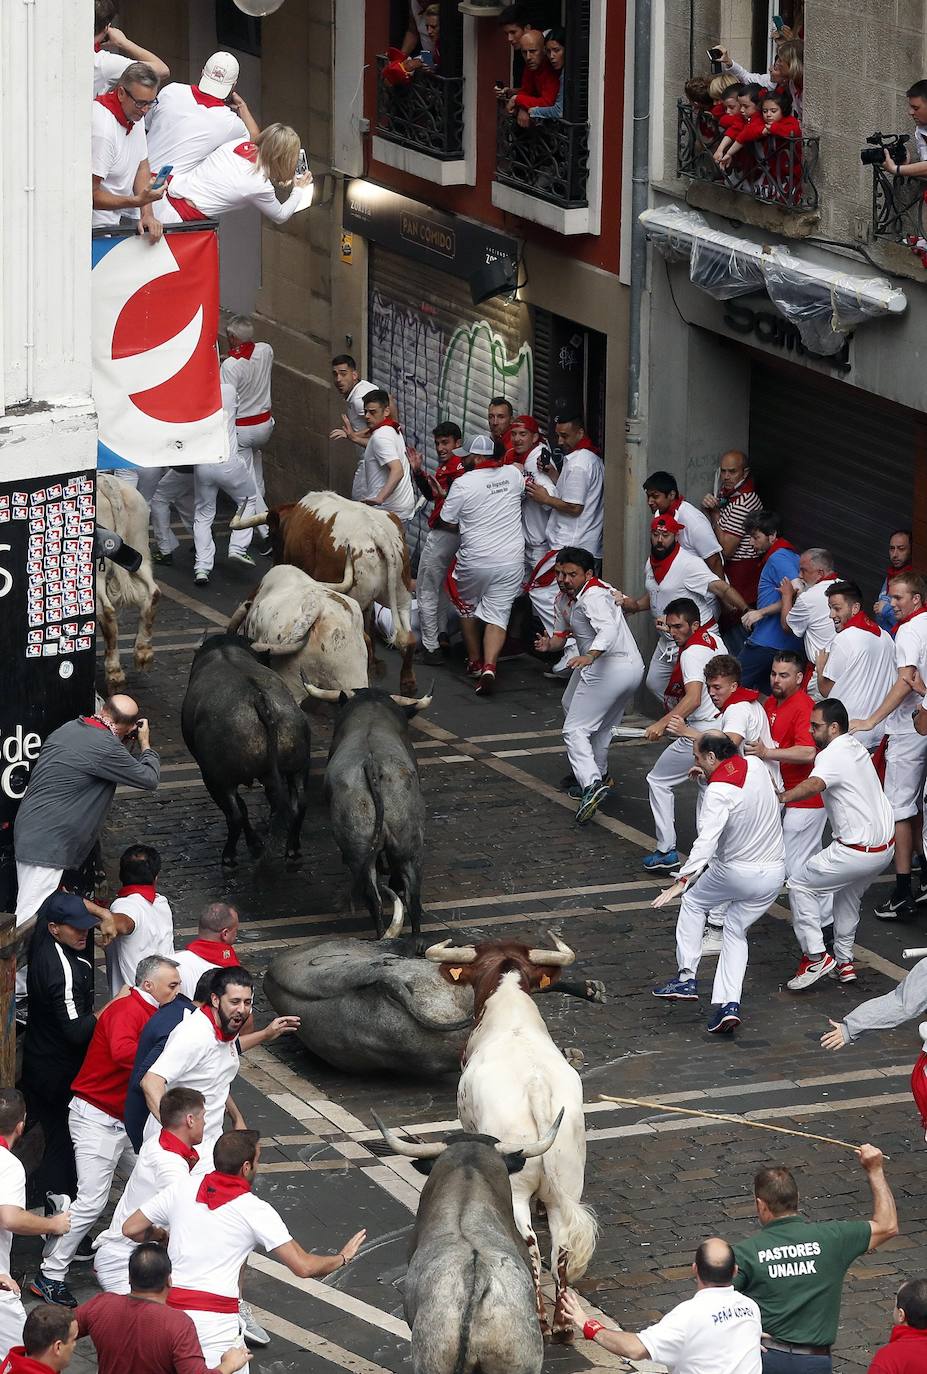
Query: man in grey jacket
x=69, y=794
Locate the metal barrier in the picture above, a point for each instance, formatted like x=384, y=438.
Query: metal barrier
x=426, y=113
x=779, y=171
x=549, y=161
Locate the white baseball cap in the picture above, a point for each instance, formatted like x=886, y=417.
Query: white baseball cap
x=482, y=445
x=219, y=75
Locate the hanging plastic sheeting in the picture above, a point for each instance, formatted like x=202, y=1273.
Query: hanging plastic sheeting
x=823, y=305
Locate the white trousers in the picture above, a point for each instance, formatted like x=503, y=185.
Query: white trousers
x=433, y=601
x=148, y=479
x=236, y=479
x=905, y=766
x=845, y=873
x=111, y=1265
x=802, y=831
x=670, y=771
x=252, y=440
x=218, y=1332
x=594, y=702
x=749, y=892
x=660, y=670
x=12, y=1320
x=35, y=882
x=100, y=1145
x=174, y=489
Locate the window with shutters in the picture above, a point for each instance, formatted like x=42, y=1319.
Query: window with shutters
x=420, y=98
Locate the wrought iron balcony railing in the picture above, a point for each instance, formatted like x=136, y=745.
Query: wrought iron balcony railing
x=897, y=202
x=777, y=170
x=426, y=114
x=549, y=161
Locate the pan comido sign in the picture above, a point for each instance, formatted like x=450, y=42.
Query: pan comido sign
x=155, y=311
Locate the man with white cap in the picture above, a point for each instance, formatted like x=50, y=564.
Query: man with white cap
x=232, y=476
x=190, y=122
x=485, y=505
x=249, y=368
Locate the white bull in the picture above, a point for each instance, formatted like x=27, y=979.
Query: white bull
x=308, y=628
x=513, y=1084
x=122, y=509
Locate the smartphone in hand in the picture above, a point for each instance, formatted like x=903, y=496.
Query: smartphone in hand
x=161, y=176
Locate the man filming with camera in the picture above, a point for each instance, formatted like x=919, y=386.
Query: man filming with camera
x=917, y=109
x=71, y=788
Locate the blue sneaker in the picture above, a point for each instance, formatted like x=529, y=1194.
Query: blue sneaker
x=725, y=1019
x=661, y=861
x=596, y=792
x=52, y=1290
x=678, y=990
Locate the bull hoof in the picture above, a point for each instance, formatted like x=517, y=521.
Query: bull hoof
x=143, y=659
x=562, y=1335
x=115, y=681
x=408, y=686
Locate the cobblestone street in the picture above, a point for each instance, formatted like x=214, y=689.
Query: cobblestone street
x=505, y=859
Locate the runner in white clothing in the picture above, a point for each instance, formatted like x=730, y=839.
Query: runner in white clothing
x=354, y=427
x=741, y=716
x=175, y=489
x=669, y=573
x=163, y=1160
x=686, y=698
x=234, y=477
x=696, y=535
x=142, y=917
x=533, y=456
x=738, y=858
x=238, y=174
x=906, y=750
x=119, y=167
x=190, y=122
x=214, y=1223
x=249, y=370
x=861, y=822
x=387, y=473
x=605, y=673
x=859, y=668
x=806, y=612
x=485, y=506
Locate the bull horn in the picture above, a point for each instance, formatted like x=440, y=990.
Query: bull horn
x=420, y=703
x=238, y=523
x=279, y=650
x=537, y=1147
x=324, y=693
x=395, y=925
x=446, y=953
x=561, y=956
x=238, y=618
x=408, y=1147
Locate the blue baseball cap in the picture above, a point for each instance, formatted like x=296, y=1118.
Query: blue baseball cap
x=67, y=909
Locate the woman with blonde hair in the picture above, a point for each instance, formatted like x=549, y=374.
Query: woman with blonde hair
x=786, y=72
x=238, y=174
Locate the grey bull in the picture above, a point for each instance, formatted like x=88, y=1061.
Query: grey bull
x=469, y=1293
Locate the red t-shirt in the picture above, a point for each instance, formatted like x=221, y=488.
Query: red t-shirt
x=790, y=727
x=103, y=1080
x=142, y=1336
x=906, y=1353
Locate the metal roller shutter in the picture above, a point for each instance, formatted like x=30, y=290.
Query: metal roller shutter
x=836, y=463
x=441, y=356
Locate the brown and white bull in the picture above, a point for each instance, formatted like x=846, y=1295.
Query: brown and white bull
x=317, y=533
x=513, y=1084
x=309, y=630
x=122, y=509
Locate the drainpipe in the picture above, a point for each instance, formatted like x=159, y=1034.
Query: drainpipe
x=635, y=431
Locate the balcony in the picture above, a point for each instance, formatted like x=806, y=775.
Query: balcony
x=549, y=161
x=897, y=202
x=426, y=116
x=780, y=175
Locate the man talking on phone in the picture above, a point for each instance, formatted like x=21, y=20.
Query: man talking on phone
x=70, y=790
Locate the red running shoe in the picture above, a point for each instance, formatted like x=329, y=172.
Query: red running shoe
x=474, y=667
x=487, y=683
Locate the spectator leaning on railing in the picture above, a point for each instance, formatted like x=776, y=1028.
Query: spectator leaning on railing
x=540, y=85
x=555, y=49
x=786, y=72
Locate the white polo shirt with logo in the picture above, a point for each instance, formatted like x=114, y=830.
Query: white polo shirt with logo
x=717, y=1331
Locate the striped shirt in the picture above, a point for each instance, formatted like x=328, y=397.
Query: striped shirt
x=733, y=516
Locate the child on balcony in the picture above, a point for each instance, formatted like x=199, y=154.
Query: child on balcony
x=751, y=128
x=700, y=99
x=719, y=88
x=783, y=148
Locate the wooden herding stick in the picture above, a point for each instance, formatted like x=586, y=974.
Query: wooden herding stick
x=732, y=1120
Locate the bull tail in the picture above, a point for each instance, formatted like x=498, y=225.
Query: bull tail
x=580, y=1232
x=278, y=793
x=402, y=624
x=373, y=783
x=579, y=1228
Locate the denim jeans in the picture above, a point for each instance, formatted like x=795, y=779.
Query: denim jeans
x=784, y=1362
x=755, y=664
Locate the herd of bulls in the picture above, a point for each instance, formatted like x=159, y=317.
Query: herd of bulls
x=473, y=1291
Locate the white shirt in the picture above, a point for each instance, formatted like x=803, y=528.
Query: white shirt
x=115, y=154
x=856, y=806
x=227, y=180
x=715, y=1332
x=192, y=968
x=386, y=445
x=208, y=1248
x=910, y=651
x=597, y=622
x=250, y=379
x=155, y=1170
x=692, y=663
x=688, y=576
x=12, y=1194
x=536, y=518
x=920, y=141
x=107, y=69
x=153, y=934
x=739, y=821
x=195, y=1057
x=486, y=504
x=750, y=721
x=186, y=126
x=697, y=535
x=861, y=666
x=582, y=481
x=354, y=403
x=810, y=619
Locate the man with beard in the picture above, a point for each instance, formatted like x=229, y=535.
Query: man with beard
x=203, y=1053
x=900, y=560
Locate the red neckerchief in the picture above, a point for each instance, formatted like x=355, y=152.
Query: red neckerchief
x=744, y=488
x=220, y=1033
x=215, y=952
x=673, y=507
x=741, y=694
x=201, y=98
x=774, y=547
x=676, y=687
x=173, y=1145
x=861, y=621
x=248, y=151
x=110, y=101
x=98, y=47
x=919, y=1086
x=590, y=582
x=3, y=1143
x=904, y=620
x=242, y=350
x=733, y=771
x=388, y=423
x=146, y=890
x=897, y=572
x=217, y=1189
x=662, y=566
x=98, y=723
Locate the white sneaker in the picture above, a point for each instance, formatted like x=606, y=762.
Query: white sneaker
x=711, y=940
x=255, y=1335
x=809, y=973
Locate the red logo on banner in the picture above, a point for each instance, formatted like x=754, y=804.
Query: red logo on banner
x=159, y=312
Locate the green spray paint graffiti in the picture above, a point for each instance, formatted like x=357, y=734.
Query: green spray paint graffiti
x=476, y=367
